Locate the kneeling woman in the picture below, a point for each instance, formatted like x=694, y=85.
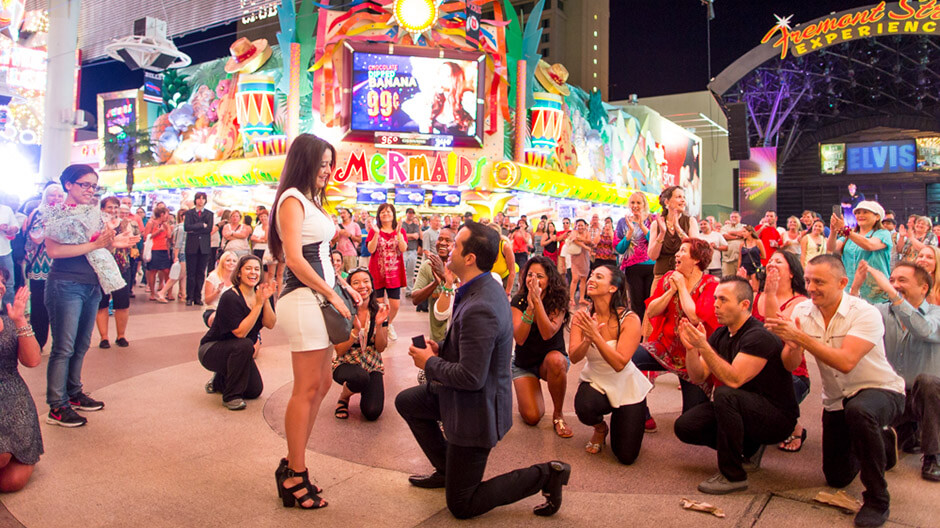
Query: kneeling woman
x=228, y=347
x=607, y=335
x=539, y=314
x=358, y=362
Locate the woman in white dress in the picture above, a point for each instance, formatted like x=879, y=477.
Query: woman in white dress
x=299, y=234
x=607, y=335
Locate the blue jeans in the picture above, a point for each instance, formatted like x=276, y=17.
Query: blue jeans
x=72, y=307
x=6, y=262
x=411, y=259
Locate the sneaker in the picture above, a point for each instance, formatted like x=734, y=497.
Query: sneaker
x=65, y=417
x=391, y=333
x=121, y=342
x=891, y=447
x=650, y=426
x=210, y=386
x=83, y=402
x=235, y=405
x=717, y=484
x=870, y=516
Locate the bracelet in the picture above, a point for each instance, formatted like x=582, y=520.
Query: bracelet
x=25, y=331
x=445, y=289
x=527, y=319
x=846, y=231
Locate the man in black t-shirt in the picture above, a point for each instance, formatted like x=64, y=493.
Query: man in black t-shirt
x=753, y=403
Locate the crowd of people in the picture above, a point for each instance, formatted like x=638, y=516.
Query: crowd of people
x=731, y=309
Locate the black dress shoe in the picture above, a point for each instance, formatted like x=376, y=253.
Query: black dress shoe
x=189, y=303
x=433, y=481
x=871, y=517
x=557, y=478
x=931, y=469
x=197, y=303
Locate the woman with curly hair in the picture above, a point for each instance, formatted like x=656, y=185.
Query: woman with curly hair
x=608, y=335
x=686, y=292
x=539, y=314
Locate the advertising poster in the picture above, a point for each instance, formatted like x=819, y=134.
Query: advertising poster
x=119, y=113
x=683, y=167
x=398, y=93
x=832, y=158
x=880, y=157
x=757, y=184
x=928, y=154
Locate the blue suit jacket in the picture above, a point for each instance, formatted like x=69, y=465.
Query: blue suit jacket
x=472, y=368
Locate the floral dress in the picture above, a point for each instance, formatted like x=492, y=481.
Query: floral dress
x=19, y=422
x=664, y=344
x=387, y=265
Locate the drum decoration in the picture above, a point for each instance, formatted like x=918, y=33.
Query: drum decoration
x=270, y=145
x=547, y=125
x=255, y=99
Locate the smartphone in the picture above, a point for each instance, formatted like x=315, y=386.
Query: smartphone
x=837, y=210
x=418, y=342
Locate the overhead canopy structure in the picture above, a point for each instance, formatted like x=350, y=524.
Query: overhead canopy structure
x=878, y=64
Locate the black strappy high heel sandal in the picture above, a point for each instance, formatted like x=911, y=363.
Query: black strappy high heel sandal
x=281, y=468
x=287, y=494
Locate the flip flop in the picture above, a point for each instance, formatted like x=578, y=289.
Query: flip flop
x=785, y=446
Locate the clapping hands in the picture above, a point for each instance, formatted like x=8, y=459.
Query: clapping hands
x=588, y=325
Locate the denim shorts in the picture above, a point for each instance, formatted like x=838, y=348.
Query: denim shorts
x=530, y=372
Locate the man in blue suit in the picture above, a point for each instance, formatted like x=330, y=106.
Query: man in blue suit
x=469, y=389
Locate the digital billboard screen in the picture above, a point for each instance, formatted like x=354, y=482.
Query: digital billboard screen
x=411, y=91
x=880, y=157
x=928, y=154
x=445, y=198
x=371, y=196
x=409, y=196
x=832, y=158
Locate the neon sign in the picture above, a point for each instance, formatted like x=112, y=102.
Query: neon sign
x=907, y=17
x=397, y=168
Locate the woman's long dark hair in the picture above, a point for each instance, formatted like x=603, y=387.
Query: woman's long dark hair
x=797, y=283
x=555, y=294
x=300, y=172
x=373, y=301
x=621, y=297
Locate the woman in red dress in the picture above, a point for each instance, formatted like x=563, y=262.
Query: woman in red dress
x=387, y=265
x=687, y=292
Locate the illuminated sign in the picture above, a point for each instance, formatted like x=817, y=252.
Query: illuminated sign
x=880, y=157
x=832, y=158
x=24, y=67
x=397, y=168
x=907, y=17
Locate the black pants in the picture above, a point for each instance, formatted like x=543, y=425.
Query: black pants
x=195, y=275
x=38, y=316
x=736, y=424
x=640, y=283
x=462, y=466
x=692, y=394
x=213, y=257
x=626, y=421
x=853, y=442
x=369, y=385
x=236, y=374
x=924, y=404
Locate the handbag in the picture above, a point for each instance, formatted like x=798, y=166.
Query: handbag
x=338, y=328
x=148, y=249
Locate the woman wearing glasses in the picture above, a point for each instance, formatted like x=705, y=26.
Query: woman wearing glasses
x=77, y=241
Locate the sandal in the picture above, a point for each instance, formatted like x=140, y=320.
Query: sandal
x=282, y=467
x=342, y=409
x=787, y=445
x=562, y=429
x=287, y=494
x=595, y=448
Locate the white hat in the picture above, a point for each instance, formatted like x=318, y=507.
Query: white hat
x=871, y=205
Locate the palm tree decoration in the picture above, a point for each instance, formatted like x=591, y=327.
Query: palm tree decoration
x=130, y=147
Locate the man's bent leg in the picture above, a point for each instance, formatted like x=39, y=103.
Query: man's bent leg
x=866, y=414
x=925, y=402
x=468, y=497
x=421, y=412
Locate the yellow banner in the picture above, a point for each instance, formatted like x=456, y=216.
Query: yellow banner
x=246, y=171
